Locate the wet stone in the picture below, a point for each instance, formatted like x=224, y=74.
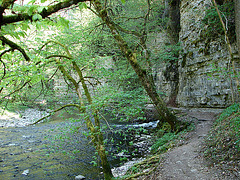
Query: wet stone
x=79, y=177
x=13, y=144
x=25, y=172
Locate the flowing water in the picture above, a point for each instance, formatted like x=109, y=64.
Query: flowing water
x=48, y=151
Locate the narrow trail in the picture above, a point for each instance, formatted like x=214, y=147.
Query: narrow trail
x=185, y=162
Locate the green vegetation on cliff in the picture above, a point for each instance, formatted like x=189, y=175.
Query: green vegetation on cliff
x=223, y=143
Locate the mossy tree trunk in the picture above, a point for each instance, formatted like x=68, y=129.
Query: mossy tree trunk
x=96, y=134
x=237, y=23
x=144, y=74
x=94, y=128
x=174, y=20
x=172, y=12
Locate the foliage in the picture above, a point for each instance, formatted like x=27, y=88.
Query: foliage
x=113, y=86
x=167, y=53
x=223, y=142
x=165, y=139
x=161, y=145
x=91, y=44
x=214, y=27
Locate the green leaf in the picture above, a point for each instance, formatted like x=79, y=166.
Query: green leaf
x=31, y=10
x=36, y=17
x=38, y=25
x=123, y=1
x=32, y=2
x=25, y=26
x=40, y=9
x=63, y=22
x=82, y=5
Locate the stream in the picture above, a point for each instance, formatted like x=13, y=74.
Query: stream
x=49, y=151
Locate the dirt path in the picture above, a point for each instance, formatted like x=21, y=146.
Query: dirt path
x=184, y=162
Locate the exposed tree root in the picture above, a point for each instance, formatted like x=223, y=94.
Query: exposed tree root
x=144, y=168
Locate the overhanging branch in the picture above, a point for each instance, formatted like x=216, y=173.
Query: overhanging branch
x=15, y=46
x=45, y=13
x=60, y=56
x=68, y=105
x=16, y=89
x=4, y=66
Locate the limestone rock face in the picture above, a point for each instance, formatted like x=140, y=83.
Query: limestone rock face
x=202, y=65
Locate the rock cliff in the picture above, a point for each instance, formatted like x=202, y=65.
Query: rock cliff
x=202, y=64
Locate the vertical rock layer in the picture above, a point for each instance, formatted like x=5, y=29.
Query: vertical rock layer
x=202, y=65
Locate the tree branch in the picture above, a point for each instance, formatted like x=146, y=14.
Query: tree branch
x=57, y=55
x=5, y=4
x=93, y=78
x=56, y=42
x=16, y=89
x=68, y=105
x=4, y=66
x=15, y=46
x=53, y=74
x=45, y=13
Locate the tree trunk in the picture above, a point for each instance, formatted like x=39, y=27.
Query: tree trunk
x=96, y=132
x=144, y=75
x=237, y=23
x=174, y=20
x=173, y=28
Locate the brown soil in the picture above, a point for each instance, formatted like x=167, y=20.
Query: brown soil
x=186, y=162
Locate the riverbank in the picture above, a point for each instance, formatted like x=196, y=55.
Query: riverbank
x=20, y=118
x=51, y=150
x=187, y=159
x=29, y=148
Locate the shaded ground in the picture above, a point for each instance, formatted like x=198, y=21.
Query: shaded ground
x=185, y=162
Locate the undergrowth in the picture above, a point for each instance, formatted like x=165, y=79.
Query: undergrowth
x=164, y=140
x=223, y=143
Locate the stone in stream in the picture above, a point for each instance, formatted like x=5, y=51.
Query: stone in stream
x=25, y=172
x=79, y=177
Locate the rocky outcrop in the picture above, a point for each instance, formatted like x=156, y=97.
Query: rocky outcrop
x=202, y=65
